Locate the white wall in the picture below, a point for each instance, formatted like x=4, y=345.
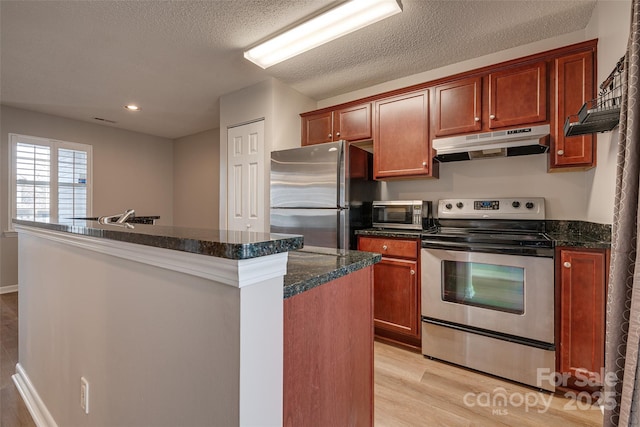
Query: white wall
x=499, y=178
x=279, y=106
x=163, y=337
x=130, y=170
x=196, y=185
x=610, y=24
x=570, y=195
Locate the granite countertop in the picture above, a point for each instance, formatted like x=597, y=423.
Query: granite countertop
x=577, y=234
x=388, y=232
x=219, y=243
x=141, y=219
x=311, y=267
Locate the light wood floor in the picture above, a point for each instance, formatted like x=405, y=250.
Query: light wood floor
x=13, y=412
x=410, y=390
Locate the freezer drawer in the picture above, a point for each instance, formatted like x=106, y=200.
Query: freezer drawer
x=320, y=227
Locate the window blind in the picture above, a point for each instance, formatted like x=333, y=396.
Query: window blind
x=33, y=182
x=72, y=183
x=51, y=179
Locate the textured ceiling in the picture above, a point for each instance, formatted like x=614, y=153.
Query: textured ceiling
x=86, y=59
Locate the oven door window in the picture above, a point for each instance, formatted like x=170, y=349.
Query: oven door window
x=495, y=287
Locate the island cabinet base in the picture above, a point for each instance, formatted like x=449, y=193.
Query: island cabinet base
x=328, y=354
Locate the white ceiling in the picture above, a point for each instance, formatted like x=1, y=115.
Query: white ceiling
x=86, y=59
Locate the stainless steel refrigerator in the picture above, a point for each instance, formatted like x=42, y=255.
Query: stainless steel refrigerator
x=323, y=192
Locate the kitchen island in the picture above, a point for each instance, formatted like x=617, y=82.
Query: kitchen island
x=175, y=326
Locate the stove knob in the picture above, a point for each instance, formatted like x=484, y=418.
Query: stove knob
x=459, y=205
x=529, y=205
x=516, y=204
x=448, y=206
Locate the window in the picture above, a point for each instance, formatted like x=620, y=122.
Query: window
x=51, y=180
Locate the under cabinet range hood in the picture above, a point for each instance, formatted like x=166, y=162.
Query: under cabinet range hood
x=502, y=143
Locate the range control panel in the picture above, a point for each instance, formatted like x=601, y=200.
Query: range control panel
x=493, y=208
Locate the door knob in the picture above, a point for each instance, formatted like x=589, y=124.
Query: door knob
x=248, y=226
x=567, y=264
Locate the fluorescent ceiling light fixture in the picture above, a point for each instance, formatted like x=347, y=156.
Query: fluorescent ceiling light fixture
x=132, y=107
x=337, y=22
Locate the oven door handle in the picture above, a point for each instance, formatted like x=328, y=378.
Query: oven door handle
x=492, y=248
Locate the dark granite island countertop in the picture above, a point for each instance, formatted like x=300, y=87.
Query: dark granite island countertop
x=311, y=267
x=229, y=244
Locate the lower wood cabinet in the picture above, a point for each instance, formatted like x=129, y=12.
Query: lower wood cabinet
x=328, y=354
x=396, y=289
x=581, y=289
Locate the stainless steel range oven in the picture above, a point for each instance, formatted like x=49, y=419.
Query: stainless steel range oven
x=488, y=289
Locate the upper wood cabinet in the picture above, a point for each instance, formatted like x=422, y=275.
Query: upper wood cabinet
x=401, y=145
x=350, y=123
x=542, y=88
x=458, y=107
x=317, y=128
x=574, y=85
x=518, y=96
x=580, y=274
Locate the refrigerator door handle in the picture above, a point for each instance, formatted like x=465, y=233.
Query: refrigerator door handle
x=341, y=178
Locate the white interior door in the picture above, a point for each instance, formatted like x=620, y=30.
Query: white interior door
x=245, y=177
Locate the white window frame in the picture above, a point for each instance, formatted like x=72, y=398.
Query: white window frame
x=54, y=145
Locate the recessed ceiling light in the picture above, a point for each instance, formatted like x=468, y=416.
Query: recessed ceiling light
x=132, y=107
x=337, y=22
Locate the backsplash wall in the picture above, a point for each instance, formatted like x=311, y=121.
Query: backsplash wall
x=565, y=193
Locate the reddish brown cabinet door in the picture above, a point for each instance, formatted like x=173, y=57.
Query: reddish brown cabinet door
x=349, y=123
x=582, y=281
x=457, y=107
x=352, y=123
x=401, y=136
x=518, y=96
x=317, y=128
x=396, y=289
x=574, y=86
x=395, y=296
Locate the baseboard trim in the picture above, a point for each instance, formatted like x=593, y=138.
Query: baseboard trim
x=38, y=410
x=8, y=289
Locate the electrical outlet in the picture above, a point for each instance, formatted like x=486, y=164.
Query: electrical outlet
x=84, y=394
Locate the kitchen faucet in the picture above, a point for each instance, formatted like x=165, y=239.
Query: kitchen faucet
x=119, y=219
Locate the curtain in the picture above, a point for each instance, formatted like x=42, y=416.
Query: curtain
x=622, y=380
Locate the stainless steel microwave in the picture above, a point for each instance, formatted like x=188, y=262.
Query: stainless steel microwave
x=402, y=214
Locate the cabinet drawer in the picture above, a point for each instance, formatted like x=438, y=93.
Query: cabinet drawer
x=389, y=247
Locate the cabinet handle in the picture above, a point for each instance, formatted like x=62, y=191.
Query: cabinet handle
x=413, y=272
x=560, y=152
x=492, y=116
x=329, y=136
x=337, y=133
x=424, y=163
x=477, y=119
x=248, y=226
x=384, y=247
x=567, y=264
